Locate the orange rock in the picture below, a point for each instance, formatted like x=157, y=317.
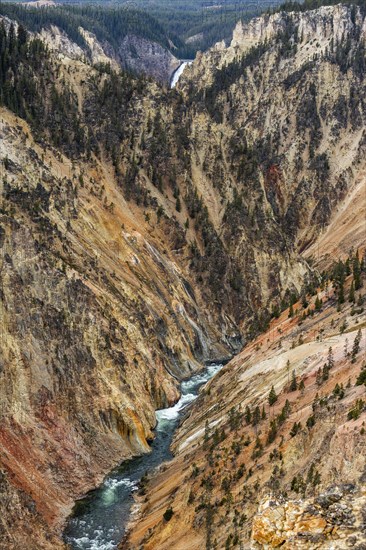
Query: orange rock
x=267, y=528
x=311, y=524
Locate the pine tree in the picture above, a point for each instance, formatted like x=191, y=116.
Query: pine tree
x=348, y=267
x=288, y=370
x=295, y=429
x=272, y=432
x=234, y=419
x=356, y=345
x=319, y=376
x=325, y=372
x=341, y=294
x=356, y=267
x=272, y=397
x=330, y=361
x=264, y=416
x=275, y=311
x=310, y=421
x=248, y=415
x=361, y=379
x=159, y=213
x=318, y=303
x=346, y=353
x=286, y=408
x=256, y=416
x=351, y=296
x=22, y=36
x=291, y=311
x=293, y=385
x=338, y=391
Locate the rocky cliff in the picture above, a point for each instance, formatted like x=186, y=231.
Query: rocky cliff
x=144, y=231
x=98, y=324
x=289, y=92
x=251, y=470
x=273, y=453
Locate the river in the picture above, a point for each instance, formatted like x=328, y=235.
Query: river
x=99, y=520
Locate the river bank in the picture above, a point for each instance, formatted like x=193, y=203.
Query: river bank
x=99, y=521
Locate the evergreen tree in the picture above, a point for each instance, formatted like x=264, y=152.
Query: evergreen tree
x=356, y=345
x=22, y=37
x=361, y=379
x=248, y=415
x=272, y=432
x=330, y=361
x=318, y=303
x=272, y=397
x=256, y=416
x=338, y=391
x=325, y=372
x=348, y=267
x=351, y=296
x=234, y=419
x=295, y=429
x=341, y=293
x=310, y=421
x=356, y=268
x=286, y=409
x=319, y=376
x=293, y=385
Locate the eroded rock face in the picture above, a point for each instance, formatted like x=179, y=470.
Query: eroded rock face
x=98, y=327
x=128, y=264
x=251, y=478
x=134, y=53
x=142, y=56
x=59, y=42
x=328, y=22
x=335, y=519
x=285, y=100
x=279, y=525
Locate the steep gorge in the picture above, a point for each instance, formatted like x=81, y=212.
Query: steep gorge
x=292, y=474
x=158, y=234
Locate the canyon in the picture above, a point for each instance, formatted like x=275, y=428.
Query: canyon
x=147, y=231
x=294, y=475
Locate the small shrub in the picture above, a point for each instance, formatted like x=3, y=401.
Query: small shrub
x=168, y=514
x=356, y=410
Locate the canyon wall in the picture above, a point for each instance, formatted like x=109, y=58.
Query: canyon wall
x=290, y=472
x=145, y=231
